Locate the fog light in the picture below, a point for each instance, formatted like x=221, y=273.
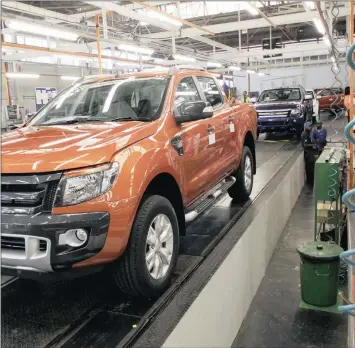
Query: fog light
x=74, y=238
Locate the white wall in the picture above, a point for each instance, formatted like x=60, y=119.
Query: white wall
x=308, y=77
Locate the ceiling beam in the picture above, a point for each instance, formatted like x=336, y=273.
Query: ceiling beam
x=298, y=17
x=133, y=6
x=110, y=6
x=183, y=21
x=50, y=16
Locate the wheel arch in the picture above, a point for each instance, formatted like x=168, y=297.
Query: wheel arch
x=164, y=184
x=250, y=142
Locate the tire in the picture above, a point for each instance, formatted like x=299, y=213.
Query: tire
x=240, y=192
x=131, y=272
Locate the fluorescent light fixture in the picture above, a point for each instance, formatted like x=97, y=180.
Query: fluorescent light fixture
x=327, y=41
x=22, y=76
x=310, y=5
x=234, y=68
x=261, y=73
x=184, y=58
x=319, y=25
x=163, y=18
x=214, y=65
x=253, y=11
x=69, y=78
x=42, y=31
x=136, y=49
x=250, y=71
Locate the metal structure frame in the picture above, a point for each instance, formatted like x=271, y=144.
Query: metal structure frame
x=120, y=25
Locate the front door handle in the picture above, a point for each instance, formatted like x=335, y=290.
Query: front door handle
x=210, y=129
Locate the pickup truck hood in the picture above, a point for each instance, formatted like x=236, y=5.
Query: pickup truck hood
x=276, y=106
x=62, y=147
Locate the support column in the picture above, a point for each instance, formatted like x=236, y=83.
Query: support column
x=97, y=20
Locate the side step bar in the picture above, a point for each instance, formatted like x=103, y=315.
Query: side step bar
x=210, y=199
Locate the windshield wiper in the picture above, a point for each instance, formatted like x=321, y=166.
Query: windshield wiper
x=130, y=119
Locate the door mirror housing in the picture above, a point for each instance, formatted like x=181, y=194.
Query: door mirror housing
x=194, y=111
x=308, y=97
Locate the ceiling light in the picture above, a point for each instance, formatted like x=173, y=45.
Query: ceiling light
x=136, y=49
x=310, y=5
x=234, y=68
x=39, y=30
x=21, y=75
x=250, y=71
x=214, y=65
x=261, y=73
x=69, y=78
x=252, y=10
x=184, y=58
x=327, y=41
x=319, y=25
x=163, y=18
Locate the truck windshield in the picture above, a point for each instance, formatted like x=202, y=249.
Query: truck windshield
x=282, y=94
x=132, y=99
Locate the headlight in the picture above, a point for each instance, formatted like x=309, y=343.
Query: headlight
x=295, y=111
x=75, y=188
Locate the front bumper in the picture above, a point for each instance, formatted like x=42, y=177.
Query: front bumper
x=281, y=124
x=30, y=242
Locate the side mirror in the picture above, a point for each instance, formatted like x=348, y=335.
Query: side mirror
x=193, y=111
x=308, y=97
x=318, y=97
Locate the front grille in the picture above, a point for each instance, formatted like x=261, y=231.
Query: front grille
x=273, y=123
x=13, y=243
x=274, y=113
x=28, y=194
x=18, y=243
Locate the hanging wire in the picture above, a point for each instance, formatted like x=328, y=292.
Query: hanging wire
x=336, y=125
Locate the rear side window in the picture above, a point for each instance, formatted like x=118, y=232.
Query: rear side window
x=185, y=92
x=211, y=91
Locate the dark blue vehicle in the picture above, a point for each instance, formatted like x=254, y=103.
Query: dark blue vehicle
x=284, y=110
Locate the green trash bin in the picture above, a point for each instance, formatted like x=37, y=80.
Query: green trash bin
x=319, y=273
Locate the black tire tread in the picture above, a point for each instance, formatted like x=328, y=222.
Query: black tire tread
x=237, y=191
x=127, y=275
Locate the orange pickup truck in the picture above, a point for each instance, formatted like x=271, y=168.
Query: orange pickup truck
x=108, y=174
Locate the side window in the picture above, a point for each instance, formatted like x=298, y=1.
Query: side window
x=212, y=93
x=185, y=92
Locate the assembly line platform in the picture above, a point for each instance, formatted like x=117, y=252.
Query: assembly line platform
x=92, y=313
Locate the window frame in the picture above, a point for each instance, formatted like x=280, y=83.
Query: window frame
x=203, y=94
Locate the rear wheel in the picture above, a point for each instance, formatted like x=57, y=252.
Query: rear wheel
x=148, y=263
x=243, y=186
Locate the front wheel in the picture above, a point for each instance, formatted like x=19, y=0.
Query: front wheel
x=148, y=263
x=243, y=186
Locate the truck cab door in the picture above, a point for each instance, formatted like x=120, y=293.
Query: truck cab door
x=223, y=121
x=198, y=140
